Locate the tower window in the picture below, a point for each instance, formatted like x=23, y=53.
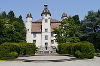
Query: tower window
x=52, y=41
x=46, y=30
x=52, y=34
x=34, y=35
x=34, y=41
x=45, y=15
x=46, y=20
x=46, y=37
x=28, y=29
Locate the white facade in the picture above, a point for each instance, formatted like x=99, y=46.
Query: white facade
x=40, y=38
x=45, y=38
x=46, y=30
x=28, y=26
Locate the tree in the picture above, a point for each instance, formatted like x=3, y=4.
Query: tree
x=67, y=32
x=90, y=28
x=5, y=29
x=3, y=14
x=19, y=32
x=11, y=15
x=76, y=19
x=12, y=29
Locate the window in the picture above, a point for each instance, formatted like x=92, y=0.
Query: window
x=45, y=15
x=34, y=41
x=46, y=30
x=46, y=37
x=41, y=28
x=34, y=35
x=52, y=34
x=52, y=41
x=28, y=29
x=46, y=20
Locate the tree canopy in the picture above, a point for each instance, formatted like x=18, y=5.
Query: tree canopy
x=67, y=32
x=90, y=28
x=11, y=28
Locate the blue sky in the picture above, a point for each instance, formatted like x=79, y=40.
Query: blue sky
x=56, y=7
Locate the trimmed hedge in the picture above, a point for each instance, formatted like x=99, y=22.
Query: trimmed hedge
x=13, y=50
x=82, y=49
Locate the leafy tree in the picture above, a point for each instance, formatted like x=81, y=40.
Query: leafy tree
x=11, y=15
x=90, y=28
x=67, y=32
x=19, y=35
x=11, y=28
x=4, y=30
x=4, y=15
x=76, y=19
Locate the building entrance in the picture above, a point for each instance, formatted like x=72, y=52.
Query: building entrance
x=46, y=45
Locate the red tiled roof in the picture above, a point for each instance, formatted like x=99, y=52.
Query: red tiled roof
x=54, y=25
x=51, y=20
x=36, y=26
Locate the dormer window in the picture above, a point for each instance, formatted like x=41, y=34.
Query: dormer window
x=46, y=20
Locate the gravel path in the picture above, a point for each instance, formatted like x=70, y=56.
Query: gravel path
x=51, y=61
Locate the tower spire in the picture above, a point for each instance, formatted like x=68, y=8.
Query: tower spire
x=45, y=6
x=46, y=11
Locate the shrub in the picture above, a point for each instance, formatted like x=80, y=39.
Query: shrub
x=82, y=49
x=97, y=54
x=13, y=50
x=4, y=54
x=78, y=54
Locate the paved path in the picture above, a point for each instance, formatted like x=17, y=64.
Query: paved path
x=51, y=61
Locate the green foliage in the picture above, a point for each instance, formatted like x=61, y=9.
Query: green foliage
x=5, y=56
x=11, y=28
x=67, y=32
x=11, y=15
x=5, y=53
x=80, y=50
x=76, y=19
x=78, y=54
x=4, y=15
x=97, y=54
x=13, y=50
x=90, y=28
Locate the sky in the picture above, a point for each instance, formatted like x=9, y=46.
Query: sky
x=56, y=7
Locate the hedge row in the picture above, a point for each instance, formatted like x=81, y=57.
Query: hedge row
x=13, y=50
x=82, y=49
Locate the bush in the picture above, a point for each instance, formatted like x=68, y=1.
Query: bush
x=7, y=55
x=78, y=54
x=13, y=50
x=97, y=54
x=82, y=49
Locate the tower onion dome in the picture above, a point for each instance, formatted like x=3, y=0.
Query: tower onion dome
x=64, y=15
x=29, y=15
x=46, y=11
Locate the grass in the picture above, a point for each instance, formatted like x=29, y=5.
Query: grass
x=2, y=60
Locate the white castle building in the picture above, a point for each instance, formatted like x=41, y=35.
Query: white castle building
x=40, y=32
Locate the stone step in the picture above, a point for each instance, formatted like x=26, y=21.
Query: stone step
x=42, y=50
